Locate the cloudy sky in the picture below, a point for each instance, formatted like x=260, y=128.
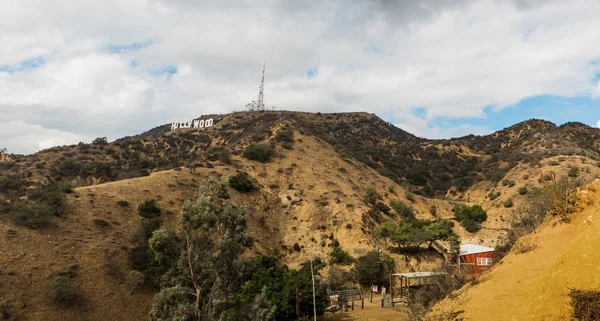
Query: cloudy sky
x=73, y=70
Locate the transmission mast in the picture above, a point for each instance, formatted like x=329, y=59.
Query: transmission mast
x=258, y=105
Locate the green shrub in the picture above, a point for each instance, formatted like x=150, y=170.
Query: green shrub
x=30, y=214
x=285, y=135
x=148, y=209
x=12, y=186
x=522, y=190
x=138, y=258
x=287, y=145
x=574, y=172
x=370, y=196
x=53, y=195
x=470, y=217
x=508, y=182
x=405, y=211
x=219, y=153
x=492, y=196
x=553, y=163
x=339, y=256
x=470, y=225
x=123, y=203
x=433, y=210
x=508, y=203
x=259, y=152
x=475, y=212
x=100, y=141
x=147, y=227
x=410, y=196
x=101, y=223
x=61, y=290
x=241, y=182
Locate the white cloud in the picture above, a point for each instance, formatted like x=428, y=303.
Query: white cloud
x=451, y=58
x=425, y=128
x=598, y=124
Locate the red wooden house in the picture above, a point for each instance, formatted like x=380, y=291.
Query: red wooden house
x=475, y=258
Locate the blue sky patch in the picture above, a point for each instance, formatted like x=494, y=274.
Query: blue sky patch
x=27, y=64
x=132, y=47
x=312, y=72
x=167, y=71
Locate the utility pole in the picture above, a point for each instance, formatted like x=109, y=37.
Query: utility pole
x=313, y=285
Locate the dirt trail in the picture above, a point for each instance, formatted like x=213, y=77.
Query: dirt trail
x=535, y=285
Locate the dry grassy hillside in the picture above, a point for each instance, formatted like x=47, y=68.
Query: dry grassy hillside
x=533, y=282
x=308, y=196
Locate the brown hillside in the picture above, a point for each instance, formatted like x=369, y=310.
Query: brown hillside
x=535, y=285
x=304, y=198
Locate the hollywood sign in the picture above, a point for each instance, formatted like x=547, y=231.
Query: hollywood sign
x=196, y=123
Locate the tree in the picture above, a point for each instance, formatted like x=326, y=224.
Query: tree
x=374, y=268
x=209, y=269
x=100, y=141
x=417, y=232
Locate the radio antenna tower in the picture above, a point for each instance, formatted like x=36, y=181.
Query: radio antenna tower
x=259, y=105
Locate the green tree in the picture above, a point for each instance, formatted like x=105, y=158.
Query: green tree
x=374, y=268
x=405, y=211
x=149, y=209
x=213, y=239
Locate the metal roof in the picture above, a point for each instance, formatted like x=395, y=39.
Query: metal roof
x=467, y=249
x=413, y=275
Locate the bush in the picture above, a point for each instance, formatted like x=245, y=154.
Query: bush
x=259, y=152
x=410, y=196
x=470, y=225
x=523, y=190
x=492, y=196
x=474, y=212
x=339, y=256
x=285, y=135
x=574, y=172
x=241, y=182
x=370, y=196
x=123, y=203
x=53, y=195
x=586, y=304
x=374, y=268
x=101, y=223
x=148, y=209
x=433, y=210
x=146, y=228
x=30, y=214
x=508, y=203
x=405, y=211
x=61, y=290
x=470, y=217
x=138, y=258
x=100, y=141
x=553, y=163
x=508, y=182
x=218, y=153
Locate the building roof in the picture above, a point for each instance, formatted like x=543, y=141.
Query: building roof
x=414, y=275
x=467, y=249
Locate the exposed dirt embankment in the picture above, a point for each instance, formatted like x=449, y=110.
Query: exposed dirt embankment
x=535, y=285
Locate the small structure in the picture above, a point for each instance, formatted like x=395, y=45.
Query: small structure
x=474, y=258
x=409, y=282
x=347, y=297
